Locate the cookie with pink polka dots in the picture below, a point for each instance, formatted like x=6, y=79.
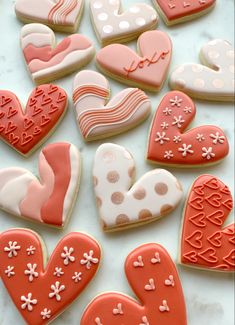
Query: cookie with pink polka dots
x=111, y=24
x=214, y=79
x=122, y=205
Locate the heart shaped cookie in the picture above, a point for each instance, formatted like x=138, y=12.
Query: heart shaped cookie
x=169, y=144
x=163, y=305
x=97, y=118
x=146, y=70
x=60, y=15
x=112, y=25
x=214, y=79
x=50, y=199
x=121, y=206
x=178, y=11
x=42, y=293
x=25, y=130
x=206, y=243
x=47, y=62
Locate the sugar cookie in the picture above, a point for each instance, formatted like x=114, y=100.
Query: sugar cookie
x=170, y=141
x=42, y=292
x=121, y=206
x=96, y=117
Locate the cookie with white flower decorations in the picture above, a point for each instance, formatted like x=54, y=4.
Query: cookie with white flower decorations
x=156, y=284
x=122, y=205
x=211, y=80
x=112, y=25
x=42, y=292
x=172, y=143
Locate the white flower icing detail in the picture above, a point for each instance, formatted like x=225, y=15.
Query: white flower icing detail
x=170, y=281
x=168, y=154
x=188, y=110
x=164, y=307
x=208, y=153
x=177, y=138
x=56, y=289
x=98, y=321
x=31, y=250
x=176, y=101
x=139, y=262
x=156, y=259
x=9, y=271
x=46, y=314
x=150, y=286
x=164, y=126
x=167, y=111
x=66, y=255
x=200, y=137
x=31, y=271
x=186, y=149
x=28, y=302
x=217, y=138
x=58, y=272
x=179, y=121
x=144, y=321
x=161, y=137
x=89, y=259
x=12, y=249
x=77, y=277
x=118, y=310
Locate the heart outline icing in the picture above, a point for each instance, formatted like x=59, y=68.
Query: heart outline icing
x=165, y=305
x=97, y=116
x=112, y=25
x=26, y=129
x=49, y=200
x=41, y=292
x=47, y=61
x=205, y=242
x=170, y=141
x=211, y=80
x=122, y=205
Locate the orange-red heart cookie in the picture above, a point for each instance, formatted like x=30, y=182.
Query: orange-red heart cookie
x=26, y=129
x=171, y=144
x=154, y=279
x=42, y=293
x=205, y=242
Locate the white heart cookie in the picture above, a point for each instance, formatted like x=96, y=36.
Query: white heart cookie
x=111, y=24
x=121, y=206
x=214, y=80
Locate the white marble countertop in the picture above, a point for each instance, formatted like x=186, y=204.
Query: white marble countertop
x=209, y=296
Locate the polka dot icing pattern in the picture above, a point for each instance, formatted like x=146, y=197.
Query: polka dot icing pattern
x=154, y=195
x=26, y=129
x=111, y=24
x=47, y=62
x=169, y=144
x=214, y=80
x=98, y=118
x=163, y=306
x=50, y=200
x=45, y=297
x=147, y=70
x=206, y=243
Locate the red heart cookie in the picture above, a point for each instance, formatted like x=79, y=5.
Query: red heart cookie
x=205, y=243
x=147, y=70
x=42, y=293
x=169, y=144
x=177, y=11
x=25, y=130
x=154, y=278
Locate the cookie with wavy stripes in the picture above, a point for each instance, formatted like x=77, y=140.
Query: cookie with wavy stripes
x=97, y=116
x=60, y=15
x=49, y=199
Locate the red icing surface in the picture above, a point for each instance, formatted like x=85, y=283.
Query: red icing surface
x=18, y=285
x=165, y=131
x=205, y=242
x=24, y=130
x=154, y=279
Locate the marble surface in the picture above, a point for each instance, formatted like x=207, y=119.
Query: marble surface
x=209, y=296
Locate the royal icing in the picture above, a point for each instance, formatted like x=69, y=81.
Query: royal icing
x=113, y=25
x=171, y=144
x=206, y=243
x=148, y=69
x=46, y=62
x=38, y=295
x=62, y=15
x=48, y=200
x=24, y=129
x=214, y=80
x=154, y=195
x=98, y=118
x=176, y=11
x=163, y=306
